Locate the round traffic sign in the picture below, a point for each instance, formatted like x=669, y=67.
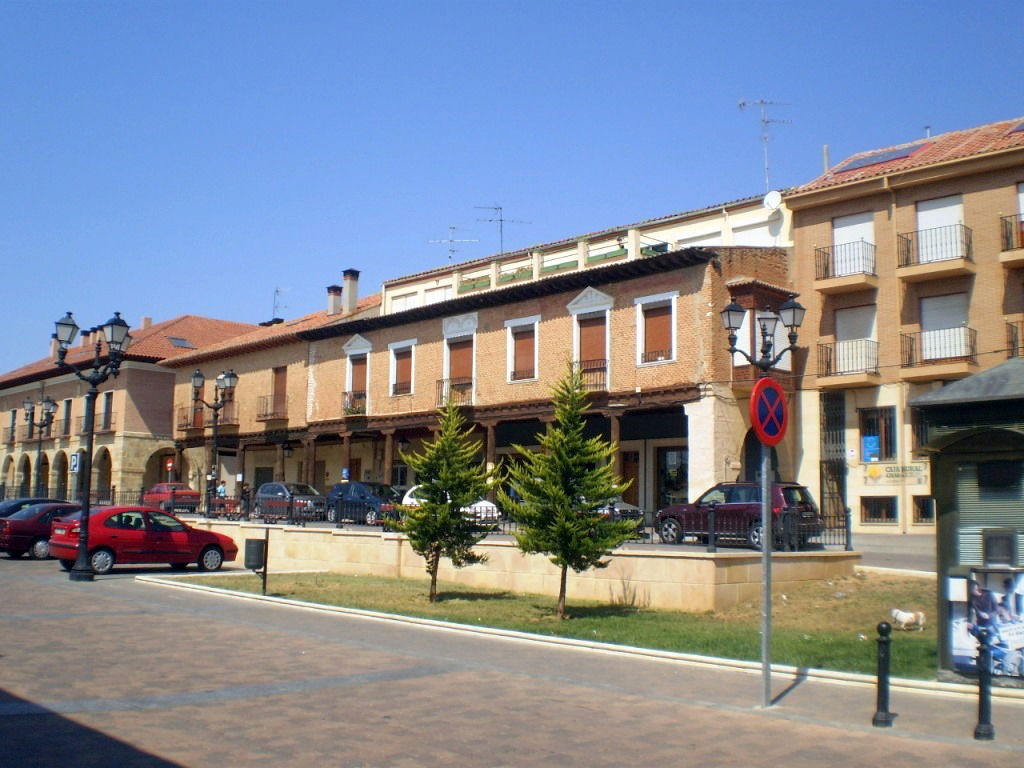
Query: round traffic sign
x=768, y=413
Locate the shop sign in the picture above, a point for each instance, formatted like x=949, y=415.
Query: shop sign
x=896, y=474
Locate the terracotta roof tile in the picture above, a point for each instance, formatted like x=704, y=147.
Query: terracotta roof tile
x=957, y=145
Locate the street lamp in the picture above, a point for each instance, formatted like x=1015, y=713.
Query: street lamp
x=792, y=316
x=115, y=331
x=224, y=393
x=41, y=428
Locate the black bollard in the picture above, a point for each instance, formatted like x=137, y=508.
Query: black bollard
x=883, y=717
x=984, y=731
x=712, y=542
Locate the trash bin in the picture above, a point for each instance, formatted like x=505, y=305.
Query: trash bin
x=255, y=554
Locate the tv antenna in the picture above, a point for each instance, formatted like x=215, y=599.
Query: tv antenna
x=452, y=240
x=500, y=218
x=278, y=306
x=765, y=122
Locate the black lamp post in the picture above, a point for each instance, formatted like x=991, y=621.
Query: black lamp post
x=115, y=331
x=792, y=315
x=41, y=429
x=224, y=393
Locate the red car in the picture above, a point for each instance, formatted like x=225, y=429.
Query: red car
x=130, y=535
x=171, y=497
x=28, y=529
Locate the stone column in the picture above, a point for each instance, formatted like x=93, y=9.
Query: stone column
x=389, y=455
x=346, y=453
x=615, y=421
x=309, y=459
x=279, y=464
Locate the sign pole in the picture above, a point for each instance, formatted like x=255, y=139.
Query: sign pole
x=766, y=570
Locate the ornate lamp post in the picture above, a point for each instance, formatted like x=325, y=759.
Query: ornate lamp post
x=792, y=315
x=224, y=393
x=115, y=331
x=41, y=428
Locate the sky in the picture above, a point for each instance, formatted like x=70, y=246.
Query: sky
x=169, y=158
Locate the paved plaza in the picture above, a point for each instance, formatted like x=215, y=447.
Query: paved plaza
x=118, y=672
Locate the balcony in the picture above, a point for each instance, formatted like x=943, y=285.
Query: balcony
x=401, y=388
x=1015, y=338
x=186, y=417
x=845, y=268
x=930, y=254
x=946, y=353
x=847, y=364
x=228, y=415
x=27, y=433
x=271, y=407
x=353, y=403
x=102, y=422
x=9, y=435
x=595, y=374
x=459, y=391
x=1012, y=227
x=62, y=427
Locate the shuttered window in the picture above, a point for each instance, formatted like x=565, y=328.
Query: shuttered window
x=592, y=338
x=358, y=373
x=460, y=359
x=523, y=353
x=657, y=333
x=403, y=371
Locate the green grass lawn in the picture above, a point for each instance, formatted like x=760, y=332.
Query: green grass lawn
x=827, y=625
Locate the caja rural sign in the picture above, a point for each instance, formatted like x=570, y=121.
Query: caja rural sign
x=768, y=413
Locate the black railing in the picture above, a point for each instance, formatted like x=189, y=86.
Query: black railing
x=103, y=422
x=353, y=403
x=939, y=346
x=401, y=388
x=185, y=419
x=228, y=416
x=270, y=407
x=595, y=374
x=9, y=434
x=1015, y=338
x=939, y=244
x=1013, y=231
x=656, y=355
x=843, y=357
x=845, y=259
x=458, y=391
x=525, y=373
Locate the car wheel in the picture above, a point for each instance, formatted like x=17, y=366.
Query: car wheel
x=101, y=561
x=211, y=559
x=332, y=514
x=257, y=513
x=670, y=531
x=178, y=566
x=755, y=536
x=67, y=565
x=371, y=517
x=40, y=549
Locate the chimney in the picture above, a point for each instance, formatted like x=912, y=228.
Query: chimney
x=54, y=347
x=350, y=294
x=146, y=322
x=333, y=299
x=86, y=334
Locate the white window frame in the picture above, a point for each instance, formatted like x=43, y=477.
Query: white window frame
x=357, y=346
x=590, y=303
x=669, y=297
x=511, y=326
x=397, y=346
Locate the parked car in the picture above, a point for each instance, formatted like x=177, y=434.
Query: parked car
x=28, y=529
x=369, y=503
x=738, y=514
x=131, y=535
x=283, y=501
x=9, y=507
x=483, y=510
x=172, y=497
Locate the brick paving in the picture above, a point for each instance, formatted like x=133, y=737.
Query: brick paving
x=174, y=678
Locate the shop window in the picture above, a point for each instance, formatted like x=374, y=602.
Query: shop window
x=877, y=434
x=924, y=510
x=878, y=509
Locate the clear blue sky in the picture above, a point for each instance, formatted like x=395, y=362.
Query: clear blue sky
x=168, y=158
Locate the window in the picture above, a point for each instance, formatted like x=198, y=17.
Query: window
x=656, y=328
x=938, y=229
x=402, y=366
x=944, y=331
x=856, y=348
x=434, y=295
x=404, y=302
x=13, y=425
x=878, y=509
x=67, y=417
x=458, y=385
x=877, y=434
x=853, y=249
x=590, y=311
x=355, y=394
x=521, y=346
x=106, y=420
x=924, y=510
x=919, y=430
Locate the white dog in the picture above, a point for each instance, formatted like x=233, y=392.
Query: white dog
x=906, y=620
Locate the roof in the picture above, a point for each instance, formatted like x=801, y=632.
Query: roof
x=264, y=337
x=934, y=150
x=160, y=341
x=1003, y=382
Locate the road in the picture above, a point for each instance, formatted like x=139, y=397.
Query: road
x=117, y=672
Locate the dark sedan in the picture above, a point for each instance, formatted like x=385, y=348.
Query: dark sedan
x=28, y=529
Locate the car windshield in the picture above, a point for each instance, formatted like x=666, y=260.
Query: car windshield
x=26, y=513
x=77, y=514
x=301, y=489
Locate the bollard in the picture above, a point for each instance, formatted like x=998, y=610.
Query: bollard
x=848, y=523
x=712, y=543
x=883, y=717
x=984, y=731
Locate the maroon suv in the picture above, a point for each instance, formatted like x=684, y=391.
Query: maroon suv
x=738, y=514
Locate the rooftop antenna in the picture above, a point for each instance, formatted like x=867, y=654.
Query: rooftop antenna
x=452, y=240
x=500, y=218
x=927, y=131
x=277, y=304
x=765, y=122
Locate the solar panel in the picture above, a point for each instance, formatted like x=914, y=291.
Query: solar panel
x=180, y=342
x=881, y=157
x=1019, y=128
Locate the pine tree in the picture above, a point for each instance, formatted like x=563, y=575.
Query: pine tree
x=450, y=479
x=561, y=489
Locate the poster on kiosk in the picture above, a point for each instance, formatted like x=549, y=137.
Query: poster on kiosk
x=993, y=599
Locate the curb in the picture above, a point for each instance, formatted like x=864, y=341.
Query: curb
x=823, y=675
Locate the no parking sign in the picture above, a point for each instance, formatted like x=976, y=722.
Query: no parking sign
x=768, y=413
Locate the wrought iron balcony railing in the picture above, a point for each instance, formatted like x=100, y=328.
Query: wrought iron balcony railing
x=845, y=259
x=228, y=415
x=1013, y=231
x=595, y=374
x=523, y=374
x=401, y=388
x=459, y=391
x=353, y=403
x=9, y=434
x=102, y=422
x=1015, y=338
x=938, y=346
x=841, y=358
x=269, y=407
x=939, y=244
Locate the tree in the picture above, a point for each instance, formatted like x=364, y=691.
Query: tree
x=558, y=493
x=450, y=479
